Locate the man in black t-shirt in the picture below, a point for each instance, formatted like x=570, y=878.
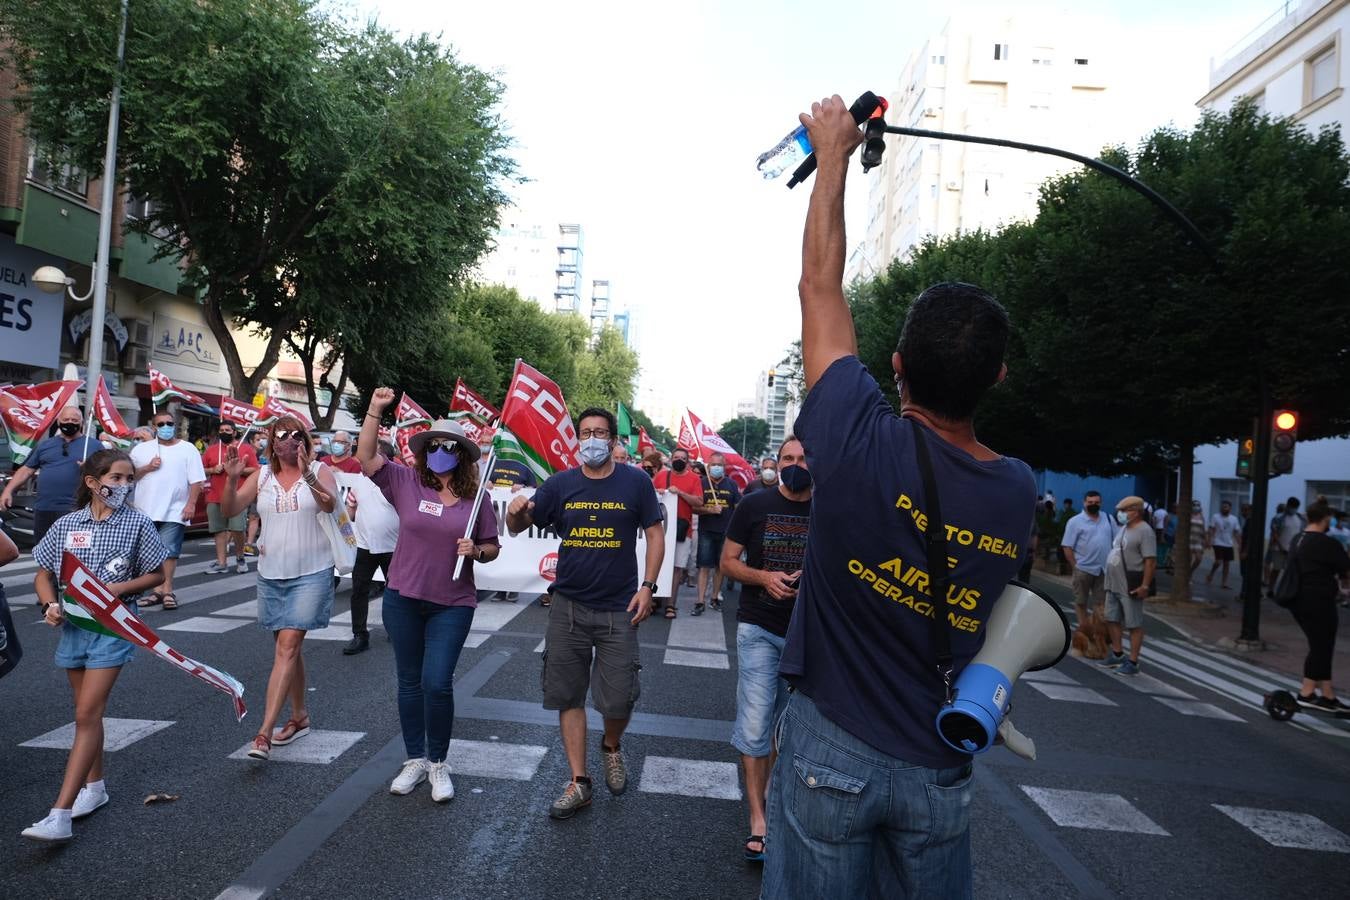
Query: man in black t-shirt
x=597, y=509
x=769, y=526
x=720, y=496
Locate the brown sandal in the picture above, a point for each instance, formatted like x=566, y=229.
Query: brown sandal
x=670, y=612
x=169, y=600
x=155, y=599
x=291, y=732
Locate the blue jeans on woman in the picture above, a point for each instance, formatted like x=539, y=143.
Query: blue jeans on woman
x=427, y=639
x=846, y=820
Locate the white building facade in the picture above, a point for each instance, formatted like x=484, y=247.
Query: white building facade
x=1292, y=64
x=1035, y=79
x=524, y=257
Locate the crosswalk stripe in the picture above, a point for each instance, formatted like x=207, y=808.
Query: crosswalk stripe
x=1231, y=690
x=375, y=614
x=690, y=778
x=1273, y=679
x=1198, y=708
x=494, y=759
x=1288, y=829
x=1260, y=679
x=698, y=633
x=29, y=598
x=1089, y=809
x=1143, y=682
x=117, y=734
x=699, y=659
x=317, y=747
x=1072, y=693
x=205, y=625
x=246, y=610
x=1048, y=676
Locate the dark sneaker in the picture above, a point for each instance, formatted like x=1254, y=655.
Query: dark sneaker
x=1112, y=660
x=358, y=644
x=1331, y=704
x=1128, y=667
x=616, y=773
x=1311, y=701
x=576, y=796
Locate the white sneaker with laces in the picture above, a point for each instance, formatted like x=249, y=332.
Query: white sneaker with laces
x=442, y=788
x=414, y=773
x=241, y=565
x=217, y=568
x=52, y=828
x=87, y=801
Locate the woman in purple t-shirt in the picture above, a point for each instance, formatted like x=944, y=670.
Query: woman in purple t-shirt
x=427, y=612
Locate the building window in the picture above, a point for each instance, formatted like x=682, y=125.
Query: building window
x=1321, y=74
x=1080, y=61
x=939, y=59
x=1336, y=492
x=46, y=169
x=1001, y=51
x=1236, y=491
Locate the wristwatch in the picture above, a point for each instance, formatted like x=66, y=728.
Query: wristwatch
x=650, y=585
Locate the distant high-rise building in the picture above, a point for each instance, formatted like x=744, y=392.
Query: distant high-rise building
x=524, y=257
x=1035, y=79
x=774, y=404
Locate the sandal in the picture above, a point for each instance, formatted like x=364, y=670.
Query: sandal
x=670, y=612
x=715, y=605
x=155, y=599
x=545, y=601
x=169, y=600
x=291, y=732
x=751, y=855
x=261, y=747
x=698, y=609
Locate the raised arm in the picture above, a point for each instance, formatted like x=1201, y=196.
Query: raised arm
x=367, y=442
x=827, y=324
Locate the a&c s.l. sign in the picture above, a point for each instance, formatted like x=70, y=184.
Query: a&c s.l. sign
x=30, y=320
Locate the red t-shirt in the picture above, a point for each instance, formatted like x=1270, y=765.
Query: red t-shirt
x=348, y=464
x=687, y=481
x=215, y=484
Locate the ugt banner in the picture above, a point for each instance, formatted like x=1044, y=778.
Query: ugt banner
x=28, y=411
x=90, y=605
x=529, y=561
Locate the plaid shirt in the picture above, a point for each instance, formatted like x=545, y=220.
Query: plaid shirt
x=123, y=546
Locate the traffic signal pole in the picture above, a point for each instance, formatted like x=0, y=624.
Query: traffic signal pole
x=1253, y=566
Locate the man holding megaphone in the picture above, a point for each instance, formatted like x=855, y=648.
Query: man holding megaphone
x=868, y=796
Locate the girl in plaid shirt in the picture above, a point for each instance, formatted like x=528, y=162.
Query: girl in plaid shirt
x=121, y=547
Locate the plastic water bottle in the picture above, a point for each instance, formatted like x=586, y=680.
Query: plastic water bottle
x=786, y=154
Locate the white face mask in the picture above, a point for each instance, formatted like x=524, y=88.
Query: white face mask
x=769, y=475
x=1122, y=517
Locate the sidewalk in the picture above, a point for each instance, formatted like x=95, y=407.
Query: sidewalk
x=1213, y=618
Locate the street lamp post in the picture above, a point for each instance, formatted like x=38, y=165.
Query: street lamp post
x=51, y=279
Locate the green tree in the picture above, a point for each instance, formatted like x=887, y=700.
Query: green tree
x=747, y=435
x=322, y=185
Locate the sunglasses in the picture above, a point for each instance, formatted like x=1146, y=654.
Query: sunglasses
x=434, y=445
x=286, y=435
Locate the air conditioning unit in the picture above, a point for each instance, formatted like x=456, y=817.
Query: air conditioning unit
x=953, y=185
x=137, y=359
x=138, y=332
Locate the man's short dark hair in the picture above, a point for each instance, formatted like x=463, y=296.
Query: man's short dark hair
x=1291, y=503
x=684, y=450
x=593, y=411
x=791, y=438
x=952, y=347
x=1097, y=494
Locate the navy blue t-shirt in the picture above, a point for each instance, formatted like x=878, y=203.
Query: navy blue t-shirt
x=507, y=472
x=724, y=492
x=58, y=462
x=598, y=520
x=860, y=643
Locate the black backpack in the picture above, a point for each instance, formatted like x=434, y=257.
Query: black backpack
x=1289, y=583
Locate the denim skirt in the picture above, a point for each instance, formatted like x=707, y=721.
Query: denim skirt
x=303, y=603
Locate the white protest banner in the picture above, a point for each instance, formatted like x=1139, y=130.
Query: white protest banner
x=528, y=561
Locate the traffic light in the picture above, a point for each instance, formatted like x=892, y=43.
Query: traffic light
x=1283, y=436
x=1246, y=451
x=772, y=373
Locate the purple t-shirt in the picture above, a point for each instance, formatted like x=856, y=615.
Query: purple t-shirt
x=424, y=558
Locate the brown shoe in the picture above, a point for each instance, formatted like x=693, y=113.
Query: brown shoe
x=616, y=774
x=576, y=796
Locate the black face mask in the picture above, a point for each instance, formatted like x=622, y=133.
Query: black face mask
x=69, y=429
x=679, y=465
x=795, y=478
x=1092, y=508
x=227, y=438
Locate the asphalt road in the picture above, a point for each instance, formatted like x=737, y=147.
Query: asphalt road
x=1172, y=785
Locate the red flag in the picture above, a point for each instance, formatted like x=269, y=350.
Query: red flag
x=404, y=434
x=275, y=409
x=107, y=416
x=162, y=390
x=536, y=414
x=91, y=606
x=245, y=414
x=410, y=413
x=469, y=400
x=687, y=439
x=645, y=443
x=28, y=410
x=709, y=442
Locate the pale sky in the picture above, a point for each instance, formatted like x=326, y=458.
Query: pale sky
x=642, y=122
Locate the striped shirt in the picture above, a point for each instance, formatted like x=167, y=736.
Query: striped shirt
x=123, y=546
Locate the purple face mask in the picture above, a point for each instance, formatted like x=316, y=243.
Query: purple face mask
x=441, y=461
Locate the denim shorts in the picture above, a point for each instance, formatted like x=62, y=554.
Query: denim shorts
x=760, y=693
x=710, y=548
x=171, y=533
x=80, y=649
x=303, y=603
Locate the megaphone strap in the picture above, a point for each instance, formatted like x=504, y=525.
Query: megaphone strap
x=939, y=576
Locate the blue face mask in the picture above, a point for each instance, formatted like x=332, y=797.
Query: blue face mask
x=716, y=471
x=594, y=452
x=442, y=461
x=165, y=432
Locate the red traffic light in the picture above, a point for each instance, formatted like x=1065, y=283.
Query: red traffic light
x=1286, y=421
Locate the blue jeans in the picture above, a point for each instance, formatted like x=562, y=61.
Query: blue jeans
x=760, y=692
x=427, y=638
x=846, y=820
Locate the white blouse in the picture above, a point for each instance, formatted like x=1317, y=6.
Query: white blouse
x=292, y=542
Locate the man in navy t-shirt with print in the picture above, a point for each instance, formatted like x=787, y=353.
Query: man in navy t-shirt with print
x=597, y=509
x=720, y=496
x=865, y=796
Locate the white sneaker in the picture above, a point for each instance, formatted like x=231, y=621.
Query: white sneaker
x=241, y=565
x=442, y=788
x=217, y=568
x=414, y=773
x=87, y=801
x=51, y=828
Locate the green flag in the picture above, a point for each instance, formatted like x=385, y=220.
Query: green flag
x=626, y=429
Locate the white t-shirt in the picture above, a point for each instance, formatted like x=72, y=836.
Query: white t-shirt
x=1226, y=529
x=1159, y=519
x=376, y=523
x=162, y=494
x=1293, y=523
